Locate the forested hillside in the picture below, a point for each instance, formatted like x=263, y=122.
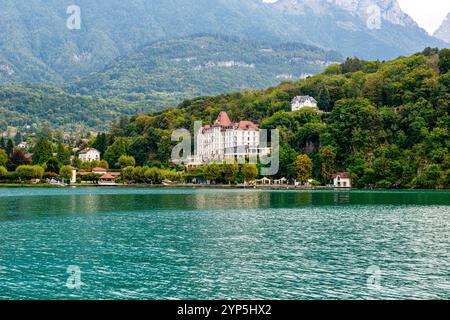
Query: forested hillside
x=34, y=105
x=165, y=72
x=388, y=123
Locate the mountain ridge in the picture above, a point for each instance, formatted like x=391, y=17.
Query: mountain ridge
x=37, y=46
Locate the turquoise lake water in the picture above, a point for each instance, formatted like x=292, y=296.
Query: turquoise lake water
x=223, y=244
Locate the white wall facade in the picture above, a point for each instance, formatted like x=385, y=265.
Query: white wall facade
x=217, y=143
x=89, y=155
x=297, y=105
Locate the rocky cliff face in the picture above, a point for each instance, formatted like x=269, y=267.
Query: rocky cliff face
x=381, y=10
x=371, y=28
x=443, y=33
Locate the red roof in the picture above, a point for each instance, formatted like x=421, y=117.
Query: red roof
x=343, y=175
x=98, y=169
x=223, y=119
x=115, y=174
x=108, y=176
x=247, y=125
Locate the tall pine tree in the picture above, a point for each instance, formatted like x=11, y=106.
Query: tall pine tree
x=43, y=151
x=9, y=147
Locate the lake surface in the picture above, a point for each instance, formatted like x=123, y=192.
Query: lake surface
x=119, y=243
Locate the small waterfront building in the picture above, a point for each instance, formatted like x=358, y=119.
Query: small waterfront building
x=341, y=180
x=89, y=155
x=99, y=170
x=264, y=181
x=281, y=181
x=301, y=102
x=108, y=179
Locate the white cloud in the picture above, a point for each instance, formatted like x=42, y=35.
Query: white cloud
x=429, y=14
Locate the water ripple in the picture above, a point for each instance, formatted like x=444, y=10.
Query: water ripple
x=196, y=244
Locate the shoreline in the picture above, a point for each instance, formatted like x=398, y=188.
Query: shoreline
x=161, y=186
x=221, y=186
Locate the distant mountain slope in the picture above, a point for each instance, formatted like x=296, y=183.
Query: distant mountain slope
x=166, y=72
x=443, y=32
x=36, y=45
x=33, y=105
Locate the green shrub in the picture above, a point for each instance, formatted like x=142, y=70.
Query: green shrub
x=30, y=172
x=3, y=172
x=383, y=184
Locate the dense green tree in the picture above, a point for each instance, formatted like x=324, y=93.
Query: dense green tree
x=17, y=159
x=154, y=176
x=30, y=172
x=446, y=179
x=63, y=154
x=3, y=158
x=18, y=138
x=430, y=178
x=354, y=124
x=304, y=168
x=127, y=174
x=53, y=165
x=249, y=172
x=3, y=172
x=288, y=155
x=213, y=172
x=101, y=143
x=444, y=60
x=9, y=147
x=43, y=151
x=230, y=172
x=328, y=158
x=119, y=148
x=126, y=161
x=65, y=172
x=352, y=65
x=324, y=100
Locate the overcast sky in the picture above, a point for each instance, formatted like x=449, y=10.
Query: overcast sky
x=428, y=13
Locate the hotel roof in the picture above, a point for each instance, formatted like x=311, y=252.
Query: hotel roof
x=223, y=120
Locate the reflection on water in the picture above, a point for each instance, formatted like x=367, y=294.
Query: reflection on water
x=23, y=203
x=222, y=244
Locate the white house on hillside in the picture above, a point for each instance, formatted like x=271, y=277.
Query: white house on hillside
x=89, y=154
x=23, y=145
x=301, y=102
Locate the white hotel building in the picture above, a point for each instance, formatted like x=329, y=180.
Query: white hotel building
x=225, y=140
